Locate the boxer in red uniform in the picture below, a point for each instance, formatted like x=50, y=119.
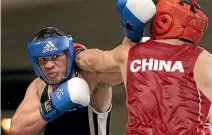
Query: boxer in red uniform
x=168, y=79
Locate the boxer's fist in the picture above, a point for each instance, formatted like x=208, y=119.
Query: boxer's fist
x=72, y=94
x=134, y=14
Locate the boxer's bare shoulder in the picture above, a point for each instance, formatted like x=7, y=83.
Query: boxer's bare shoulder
x=203, y=73
x=36, y=86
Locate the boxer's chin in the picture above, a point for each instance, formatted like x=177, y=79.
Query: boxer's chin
x=55, y=79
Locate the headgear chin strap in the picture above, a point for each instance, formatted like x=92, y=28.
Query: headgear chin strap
x=48, y=47
x=179, y=19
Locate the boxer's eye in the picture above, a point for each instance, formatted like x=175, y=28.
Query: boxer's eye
x=56, y=57
x=41, y=59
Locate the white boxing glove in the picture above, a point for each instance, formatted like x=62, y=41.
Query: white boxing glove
x=73, y=93
x=134, y=15
x=144, y=10
x=79, y=91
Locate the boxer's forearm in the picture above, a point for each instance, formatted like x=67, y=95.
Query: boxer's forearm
x=97, y=60
x=128, y=41
x=101, y=98
x=84, y=61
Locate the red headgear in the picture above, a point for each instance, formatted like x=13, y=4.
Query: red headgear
x=177, y=19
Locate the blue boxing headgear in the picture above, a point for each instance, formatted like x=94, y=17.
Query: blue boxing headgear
x=50, y=41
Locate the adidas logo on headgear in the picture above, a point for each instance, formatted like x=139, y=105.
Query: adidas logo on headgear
x=49, y=47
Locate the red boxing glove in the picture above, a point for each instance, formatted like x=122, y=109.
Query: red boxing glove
x=78, y=48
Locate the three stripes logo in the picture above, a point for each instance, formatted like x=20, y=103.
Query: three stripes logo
x=49, y=47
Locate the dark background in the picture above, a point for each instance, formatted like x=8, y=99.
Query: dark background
x=94, y=23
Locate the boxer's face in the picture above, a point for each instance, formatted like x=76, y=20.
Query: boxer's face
x=54, y=67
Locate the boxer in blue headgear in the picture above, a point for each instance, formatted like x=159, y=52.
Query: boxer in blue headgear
x=55, y=43
x=58, y=99
x=51, y=53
